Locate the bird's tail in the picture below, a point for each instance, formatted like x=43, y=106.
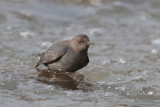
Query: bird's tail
x=37, y=65
x=40, y=55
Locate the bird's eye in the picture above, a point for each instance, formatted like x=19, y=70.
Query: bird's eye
x=79, y=41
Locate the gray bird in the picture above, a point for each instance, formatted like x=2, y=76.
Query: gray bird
x=67, y=56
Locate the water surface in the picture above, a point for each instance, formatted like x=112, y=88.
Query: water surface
x=124, y=62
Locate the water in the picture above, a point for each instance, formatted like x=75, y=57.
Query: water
x=124, y=62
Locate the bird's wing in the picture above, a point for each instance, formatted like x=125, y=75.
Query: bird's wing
x=52, y=54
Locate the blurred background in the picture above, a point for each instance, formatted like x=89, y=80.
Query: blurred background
x=124, y=60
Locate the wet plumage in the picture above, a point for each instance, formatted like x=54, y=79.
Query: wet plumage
x=67, y=56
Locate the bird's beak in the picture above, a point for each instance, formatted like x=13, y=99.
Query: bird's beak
x=90, y=43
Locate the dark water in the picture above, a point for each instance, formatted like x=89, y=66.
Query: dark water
x=124, y=63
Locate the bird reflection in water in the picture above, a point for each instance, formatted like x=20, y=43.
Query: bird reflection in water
x=67, y=80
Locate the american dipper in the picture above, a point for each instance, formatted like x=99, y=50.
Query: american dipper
x=67, y=56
